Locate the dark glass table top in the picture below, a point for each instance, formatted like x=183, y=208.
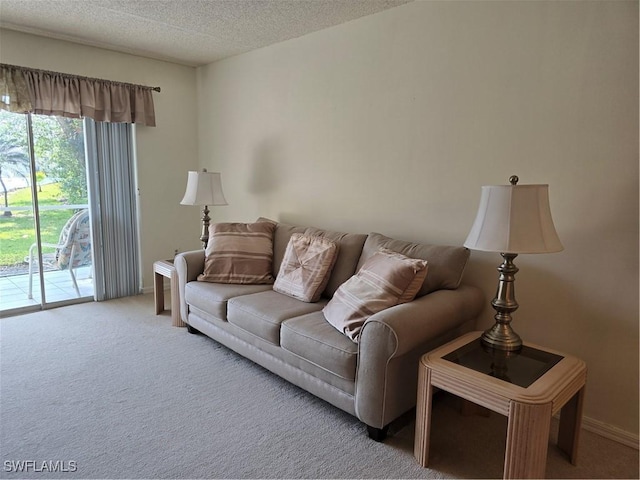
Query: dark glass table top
x=519, y=368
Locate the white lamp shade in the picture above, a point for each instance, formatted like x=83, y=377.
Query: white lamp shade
x=514, y=219
x=204, y=188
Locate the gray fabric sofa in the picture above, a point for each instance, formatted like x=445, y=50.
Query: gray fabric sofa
x=374, y=379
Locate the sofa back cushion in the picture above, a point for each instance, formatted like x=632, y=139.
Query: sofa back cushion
x=281, y=236
x=446, y=263
x=349, y=250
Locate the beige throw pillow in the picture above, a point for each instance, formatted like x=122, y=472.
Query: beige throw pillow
x=239, y=253
x=386, y=279
x=306, y=267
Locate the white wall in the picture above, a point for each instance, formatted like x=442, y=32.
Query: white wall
x=392, y=122
x=164, y=153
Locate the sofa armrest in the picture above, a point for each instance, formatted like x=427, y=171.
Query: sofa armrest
x=392, y=341
x=188, y=266
x=412, y=324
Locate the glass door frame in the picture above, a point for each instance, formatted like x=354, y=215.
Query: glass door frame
x=37, y=226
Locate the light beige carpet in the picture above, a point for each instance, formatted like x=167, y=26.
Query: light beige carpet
x=121, y=393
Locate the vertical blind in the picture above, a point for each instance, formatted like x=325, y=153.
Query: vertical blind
x=113, y=206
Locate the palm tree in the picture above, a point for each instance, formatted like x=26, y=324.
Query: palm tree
x=14, y=162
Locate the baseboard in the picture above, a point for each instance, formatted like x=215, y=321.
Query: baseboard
x=609, y=431
x=146, y=290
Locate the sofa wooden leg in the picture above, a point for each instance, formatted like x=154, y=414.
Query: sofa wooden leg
x=377, y=434
x=192, y=330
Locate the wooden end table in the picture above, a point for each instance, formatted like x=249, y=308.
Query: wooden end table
x=161, y=269
x=528, y=387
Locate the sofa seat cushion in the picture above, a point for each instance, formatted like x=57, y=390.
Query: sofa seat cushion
x=314, y=339
x=261, y=314
x=213, y=297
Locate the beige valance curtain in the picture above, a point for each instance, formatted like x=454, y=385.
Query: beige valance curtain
x=49, y=93
x=14, y=93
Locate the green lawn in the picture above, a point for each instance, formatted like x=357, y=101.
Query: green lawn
x=17, y=232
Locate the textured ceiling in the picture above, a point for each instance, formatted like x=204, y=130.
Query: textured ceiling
x=190, y=32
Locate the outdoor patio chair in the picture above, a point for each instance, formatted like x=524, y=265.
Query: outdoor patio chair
x=73, y=249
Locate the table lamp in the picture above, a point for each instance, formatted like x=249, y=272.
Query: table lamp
x=511, y=219
x=204, y=188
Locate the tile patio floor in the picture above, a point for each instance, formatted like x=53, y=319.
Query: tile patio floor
x=58, y=287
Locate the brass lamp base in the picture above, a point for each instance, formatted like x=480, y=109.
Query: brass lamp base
x=501, y=336
x=206, y=220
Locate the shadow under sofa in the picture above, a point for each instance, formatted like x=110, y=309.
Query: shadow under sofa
x=374, y=379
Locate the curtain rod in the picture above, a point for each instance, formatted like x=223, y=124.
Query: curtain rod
x=155, y=89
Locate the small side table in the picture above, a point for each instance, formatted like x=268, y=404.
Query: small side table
x=161, y=269
x=528, y=387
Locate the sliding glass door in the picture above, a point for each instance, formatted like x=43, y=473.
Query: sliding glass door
x=45, y=236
